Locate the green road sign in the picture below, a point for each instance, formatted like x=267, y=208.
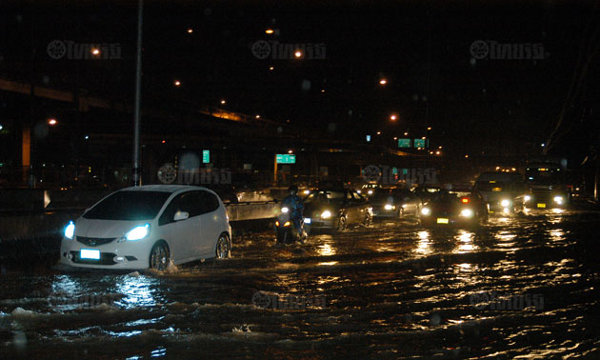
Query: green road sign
x=205, y=156
x=286, y=158
x=404, y=143
x=421, y=143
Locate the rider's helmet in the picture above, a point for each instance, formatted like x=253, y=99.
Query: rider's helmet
x=293, y=189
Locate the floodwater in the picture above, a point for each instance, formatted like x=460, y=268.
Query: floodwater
x=523, y=287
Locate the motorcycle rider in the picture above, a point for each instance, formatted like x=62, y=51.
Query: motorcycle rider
x=295, y=206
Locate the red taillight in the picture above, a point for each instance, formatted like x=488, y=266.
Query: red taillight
x=465, y=200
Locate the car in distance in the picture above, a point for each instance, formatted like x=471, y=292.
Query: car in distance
x=453, y=208
x=400, y=203
x=547, y=187
x=503, y=192
x=335, y=210
x=148, y=227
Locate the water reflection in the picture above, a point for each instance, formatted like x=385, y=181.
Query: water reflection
x=424, y=244
x=138, y=290
x=557, y=235
x=66, y=293
x=326, y=250
x=506, y=239
x=465, y=242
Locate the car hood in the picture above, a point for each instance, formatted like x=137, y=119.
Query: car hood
x=105, y=228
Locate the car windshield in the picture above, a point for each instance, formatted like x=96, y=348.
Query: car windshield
x=495, y=186
x=129, y=205
x=325, y=196
x=545, y=176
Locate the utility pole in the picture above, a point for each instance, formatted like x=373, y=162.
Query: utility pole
x=137, y=180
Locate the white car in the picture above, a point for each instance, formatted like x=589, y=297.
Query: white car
x=148, y=226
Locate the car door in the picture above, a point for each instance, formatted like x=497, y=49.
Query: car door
x=211, y=222
x=348, y=206
x=181, y=234
x=361, y=206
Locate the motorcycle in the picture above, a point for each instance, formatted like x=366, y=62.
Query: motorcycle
x=285, y=229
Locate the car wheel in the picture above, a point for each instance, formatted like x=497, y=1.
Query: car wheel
x=223, y=248
x=160, y=256
x=341, y=224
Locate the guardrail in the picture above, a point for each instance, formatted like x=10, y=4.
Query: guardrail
x=252, y=210
x=32, y=224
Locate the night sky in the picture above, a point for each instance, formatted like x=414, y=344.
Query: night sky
x=487, y=106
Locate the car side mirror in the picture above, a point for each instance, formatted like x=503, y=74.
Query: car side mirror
x=181, y=215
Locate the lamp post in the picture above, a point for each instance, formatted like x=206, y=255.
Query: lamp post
x=138, y=94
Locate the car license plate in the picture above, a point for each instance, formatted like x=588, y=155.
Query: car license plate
x=442, y=221
x=90, y=254
x=307, y=220
x=541, y=206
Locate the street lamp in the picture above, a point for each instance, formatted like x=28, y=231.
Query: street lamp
x=52, y=121
x=393, y=117
x=269, y=31
x=298, y=54
x=383, y=82
x=177, y=83
x=223, y=102
x=190, y=30
x=95, y=51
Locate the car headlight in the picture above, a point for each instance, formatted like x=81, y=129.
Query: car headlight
x=370, y=192
x=425, y=211
x=285, y=209
x=505, y=203
x=558, y=199
x=70, y=230
x=326, y=214
x=389, y=207
x=138, y=232
x=468, y=213
x=526, y=198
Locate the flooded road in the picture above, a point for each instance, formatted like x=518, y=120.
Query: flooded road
x=523, y=287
